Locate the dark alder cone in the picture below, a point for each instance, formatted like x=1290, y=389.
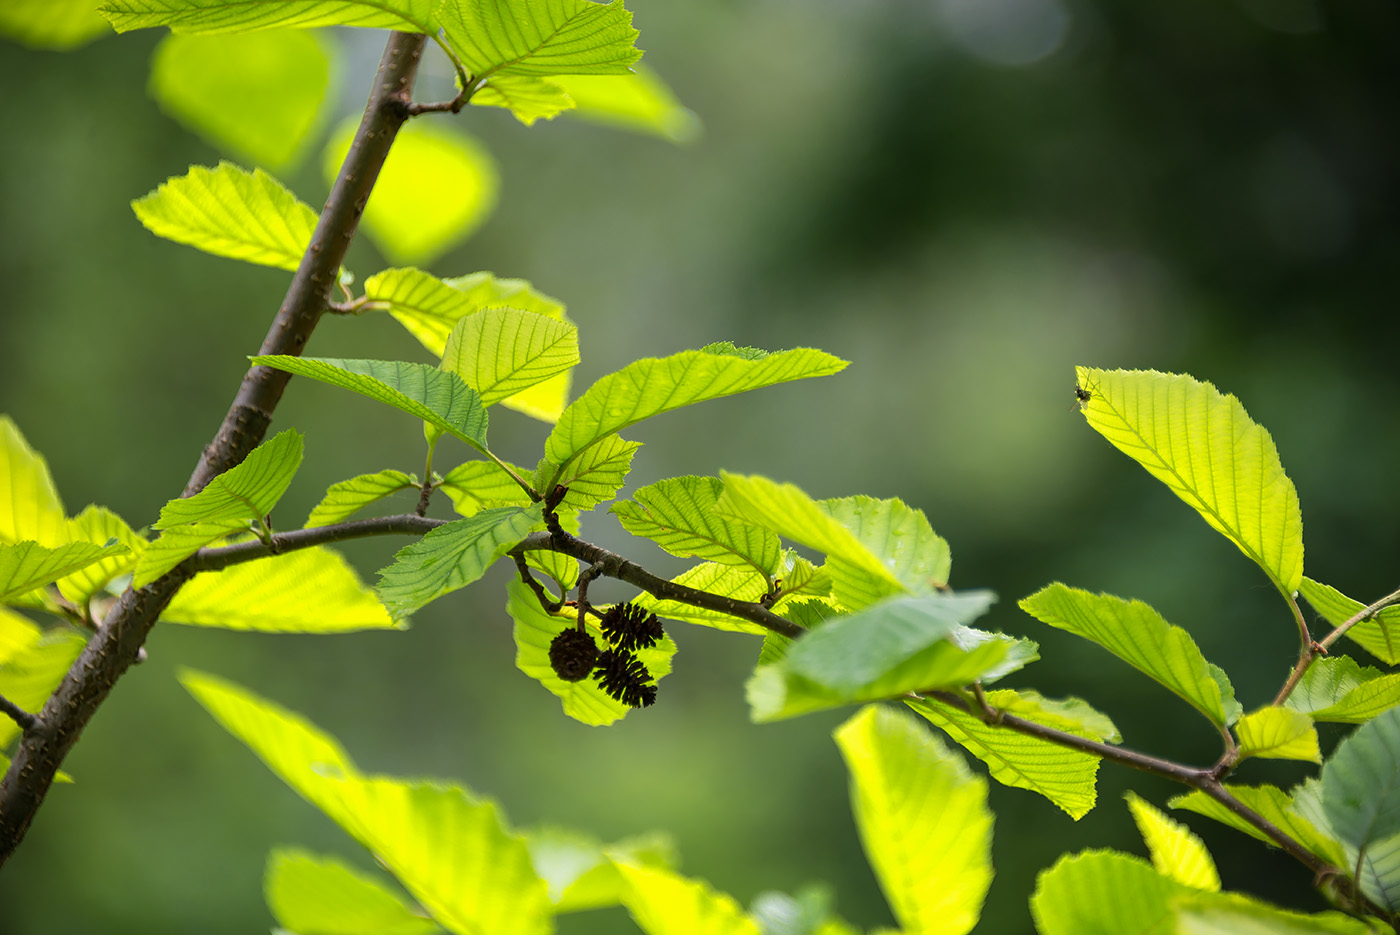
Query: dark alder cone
x=624, y=678
x=629, y=627
x=573, y=655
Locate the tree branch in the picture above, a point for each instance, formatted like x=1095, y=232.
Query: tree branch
x=213, y=559
x=118, y=641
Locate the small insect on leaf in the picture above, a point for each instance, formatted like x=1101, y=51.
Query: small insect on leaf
x=1081, y=396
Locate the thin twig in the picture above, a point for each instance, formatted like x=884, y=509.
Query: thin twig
x=550, y=607
x=26, y=721
x=1319, y=648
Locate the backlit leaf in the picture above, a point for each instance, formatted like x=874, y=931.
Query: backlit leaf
x=899, y=536
x=430, y=307
x=808, y=913
x=52, y=24
x=1176, y=852
x=737, y=581
x=30, y=508
x=1273, y=804
x=213, y=16
x=500, y=352
x=17, y=634
x=248, y=490
x=177, y=544
x=435, y=396
x=435, y=189
x=1103, y=893
x=580, y=870
x=254, y=95
x=29, y=677
x=452, y=557
x=308, y=893
x=1207, y=450
x=1380, y=635
x=1138, y=635
x=651, y=386
x=540, y=37
x=665, y=903
x=308, y=591
x=474, y=486
x=1234, y=914
x=25, y=566
x=640, y=102
x=346, y=498
x=1279, y=733
x=923, y=820
x=527, y=97
x=595, y=476
x=1337, y=689
x=1064, y=776
x=99, y=526
x=229, y=212
x=679, y=515
x=583, y=701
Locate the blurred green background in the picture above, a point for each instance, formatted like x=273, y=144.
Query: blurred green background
x=965, y=198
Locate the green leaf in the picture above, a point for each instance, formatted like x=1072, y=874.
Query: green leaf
x=307, y=893
x=1234, y=914
x=253, y=95
x=474, y=486
x=640, y=102
x=583, y=701
x=651, y=386
x=435, y=189
x=1138, y=635
x=1207, y=450
x=679, y=515
x=232, y=213
x=665, y=903
x=593, y=477
x=308, y=591
x=527, y=97
x=30, y=676
x=581, y=871
x=30, y=508
x=1379, y=636
x=177, y=544
x=437, y=397
x=737, y=581
x=453, y=852
x=18, y=634
x=923, y=820
x=540, y=37
x=1278, y=733
x=25, y=566
x=300, y=754
x=214, y=16
x=1337, y=689
x=500, y=352
x=1176, y=852
x=346, y=498
x=1066, y=777
x=808, y=913
x=1361, y=783
x=452, y=557
x=99, y=525
x=1273, y=804
x=1103, y=893
x=51, y=24
x=799, y=578
x=247, y=491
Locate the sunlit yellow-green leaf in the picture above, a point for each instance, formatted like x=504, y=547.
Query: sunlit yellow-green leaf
x=17, y=634
x=345, y=498
x=1138, y=635
x=1273, y=804
x=254, y=95
x=679, y=515
x=1236, y=914
x=430, y=307
x=1064, y=776
x=500, y=352
x=99, y=526
x=451, y=557
x=581, y=871
x=809, y=912
x=651, y=386
x=29, y=676
x=474, y=486
x=1104, y=893
x=923, y=820
x=640, y=102
x=540, y=37
x=214, y=16
x=308, y=591
x=594, y=476
x=52, y=24
x=666, y=903
x=899, y=537
x=583, y=701
x=178, y=543
x=25, y=566
x=1207, y=450
x=313, y=894
x=1380, y=635
x=1175, y=851
x=229, y=212
x=435, y=189
x=1278, y=733
x=1337, y=689
x=453, y=852
x=30, y=508
x=527, y=97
